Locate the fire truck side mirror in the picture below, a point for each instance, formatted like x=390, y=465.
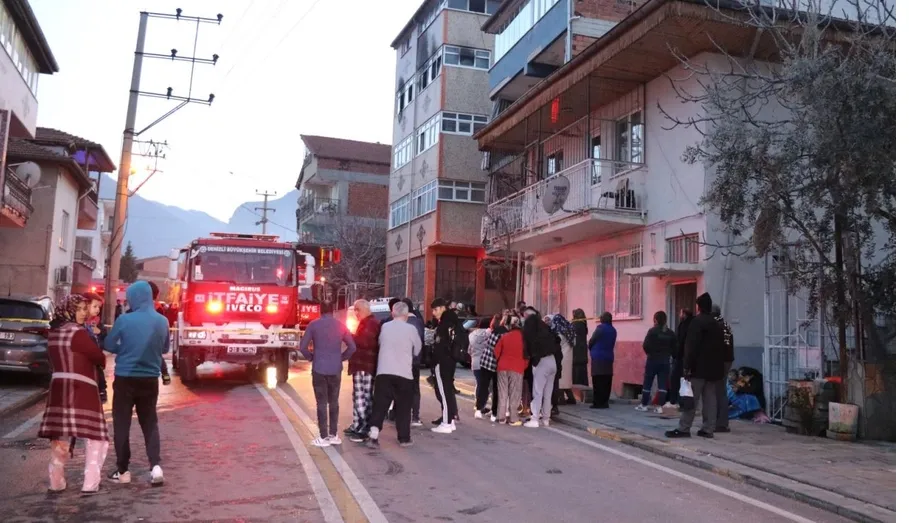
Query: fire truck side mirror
x=173, y=266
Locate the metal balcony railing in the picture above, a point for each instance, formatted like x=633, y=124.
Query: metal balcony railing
x=683, y=249
x=318, y=206
x=17, y=195
x=602, y=186
x=85, y=259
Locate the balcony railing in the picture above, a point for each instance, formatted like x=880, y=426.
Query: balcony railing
x=85, y=259
x=17, y=195
x=318, y=206
x=601, y=186
x=683, y=249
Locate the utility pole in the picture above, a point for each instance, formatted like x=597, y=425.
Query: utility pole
x=130, y=133
x=265, y=208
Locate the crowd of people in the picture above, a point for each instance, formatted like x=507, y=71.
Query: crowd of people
x=78, y=390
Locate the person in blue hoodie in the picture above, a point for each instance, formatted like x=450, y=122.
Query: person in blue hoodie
x=139, y=341
x=602, y=356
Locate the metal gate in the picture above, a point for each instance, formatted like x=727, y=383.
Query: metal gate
x=793, y=342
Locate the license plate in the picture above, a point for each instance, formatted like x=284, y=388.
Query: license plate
x=242, y=350
x=7, y=336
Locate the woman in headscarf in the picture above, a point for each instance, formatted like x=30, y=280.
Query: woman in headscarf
x=565, y=332
x=73, y=404
x=579, y=354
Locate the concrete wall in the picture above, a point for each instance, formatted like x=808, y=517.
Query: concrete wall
x=462, y=159
x=460, y=222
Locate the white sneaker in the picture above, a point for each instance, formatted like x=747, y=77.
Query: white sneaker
x=117, y=477
x=641, y=408
x=444, y=428
x=334, y=440
x=157, y=476
x=658, y=410
x=492, y=418
x=416, y=423
x=667, y=405
x=532, y=424
x=478, y=414
x=321, y=442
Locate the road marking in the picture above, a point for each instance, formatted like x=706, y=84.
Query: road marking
x=323, y=496
x=359, y=492
x=681, y=475
x=24, y=426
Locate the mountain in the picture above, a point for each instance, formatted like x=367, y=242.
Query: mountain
x=155, y=228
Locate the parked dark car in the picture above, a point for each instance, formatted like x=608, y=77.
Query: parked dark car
x=24, y=324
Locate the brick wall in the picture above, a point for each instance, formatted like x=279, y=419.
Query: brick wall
x=367, y=200
x=613, y=10
x=629, y=364
x=580, y=42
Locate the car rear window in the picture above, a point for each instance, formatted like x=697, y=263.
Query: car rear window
x=21, y=310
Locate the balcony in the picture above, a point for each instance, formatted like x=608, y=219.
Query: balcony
x=589, y=199
x=681, y=259
x=318, y=209
x=88, y=212
x=83, y=269
x=15, y=202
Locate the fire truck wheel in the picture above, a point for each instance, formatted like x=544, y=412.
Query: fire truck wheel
x=282, y=366
x=187, y=370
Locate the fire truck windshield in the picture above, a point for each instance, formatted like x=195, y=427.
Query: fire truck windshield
x=254, y=267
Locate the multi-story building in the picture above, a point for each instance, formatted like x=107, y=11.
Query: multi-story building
x=343, y=199
x=46, y=257
x=25, y=56
x=589, y=183
x=438, y=188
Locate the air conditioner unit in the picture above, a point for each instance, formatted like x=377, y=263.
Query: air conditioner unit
x=64, y=276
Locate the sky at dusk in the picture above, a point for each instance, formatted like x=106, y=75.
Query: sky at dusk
x=285, y=68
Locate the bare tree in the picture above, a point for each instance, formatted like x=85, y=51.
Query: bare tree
x=803, y=151
x=362, y=241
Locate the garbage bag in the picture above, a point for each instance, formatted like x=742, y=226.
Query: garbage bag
x=686, y=395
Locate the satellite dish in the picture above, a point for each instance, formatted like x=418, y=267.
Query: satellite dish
x=29, y=172
x=555, y=194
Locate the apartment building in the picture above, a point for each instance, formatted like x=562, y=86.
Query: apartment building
x=25, y=56
x=438, y=189
x=588, y=182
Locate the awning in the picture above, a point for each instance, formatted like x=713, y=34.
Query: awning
x=667, y=269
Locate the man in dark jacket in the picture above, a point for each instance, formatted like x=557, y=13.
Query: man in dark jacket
x=703, y=367
x=443, y=363
x=722, y=400
x=416, y=319
x=675, y=377
x=362, y=366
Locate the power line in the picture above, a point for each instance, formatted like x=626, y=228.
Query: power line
x=265, y=209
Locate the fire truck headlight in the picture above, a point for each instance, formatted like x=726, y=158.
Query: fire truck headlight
x=271, y=308
x=214, y=307
x=288, y=336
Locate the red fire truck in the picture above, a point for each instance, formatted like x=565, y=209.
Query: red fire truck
x=238, y=302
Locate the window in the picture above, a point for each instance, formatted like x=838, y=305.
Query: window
x=475, y=6
x=397, y=214
x=405, y=46
x=596, y=173
x=428, y=133
x=405, y=96
x=520, y=24
x=397, y=279
x=466, y=57
x=63, y=240
x=622, y=293
x=11, y=40
x=629, y=138
x=403, y=152
x=554, y=163
x=554, y=289
x=418, y=281
x=456, y=278
x=424, y=199
x=430, y=16
x=430, y=71
x=474, y=192
x=457, y=123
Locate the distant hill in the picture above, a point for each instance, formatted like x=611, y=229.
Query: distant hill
x=155, y=228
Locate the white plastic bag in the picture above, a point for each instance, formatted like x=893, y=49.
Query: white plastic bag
x=685, y=389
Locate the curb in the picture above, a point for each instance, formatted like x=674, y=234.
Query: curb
x=24, y=403
x=823, y=499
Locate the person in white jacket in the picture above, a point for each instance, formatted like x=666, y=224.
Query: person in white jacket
x=478, y=339
x=566, y=340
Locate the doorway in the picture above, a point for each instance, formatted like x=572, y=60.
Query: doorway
x=683, y=296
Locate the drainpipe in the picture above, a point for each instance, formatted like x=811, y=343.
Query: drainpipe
x=571, y=18
x=727, y=270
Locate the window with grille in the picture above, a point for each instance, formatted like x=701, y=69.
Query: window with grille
x=554, y=289
x=397, y=279
x=456, y=278
x=418, y=281
x=629, y=136
x=622, y=294
x=683, y=249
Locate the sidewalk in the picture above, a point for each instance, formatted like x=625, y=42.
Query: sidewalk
x=855, y=480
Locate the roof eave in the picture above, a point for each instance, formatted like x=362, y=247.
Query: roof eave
x=34, y=37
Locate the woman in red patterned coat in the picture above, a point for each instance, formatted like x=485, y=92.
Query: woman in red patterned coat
x=73, y=406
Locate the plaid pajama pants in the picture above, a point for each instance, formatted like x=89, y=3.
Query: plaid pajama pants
x=363, y=384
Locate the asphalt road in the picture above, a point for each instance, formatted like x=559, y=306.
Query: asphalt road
x=235, y=451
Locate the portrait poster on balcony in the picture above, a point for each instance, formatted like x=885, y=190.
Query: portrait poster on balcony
x=555, y=194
